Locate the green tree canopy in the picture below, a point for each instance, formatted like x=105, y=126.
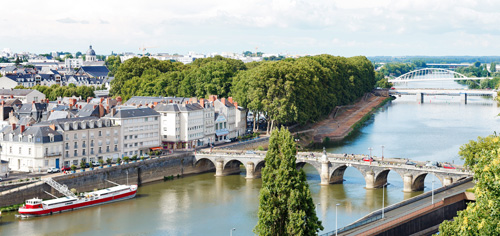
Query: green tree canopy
x=286, y=206
x=483, y=216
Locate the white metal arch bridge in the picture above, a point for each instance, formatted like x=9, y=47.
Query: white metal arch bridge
x=432, y=74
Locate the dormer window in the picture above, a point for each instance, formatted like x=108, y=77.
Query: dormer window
x=20, y=138
x=30, y=138
x=51, y=137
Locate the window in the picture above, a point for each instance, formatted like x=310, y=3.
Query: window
x=91, y=151
x=67, y=136
x=19, y=150
x=107, y=132
x=116, y=148
x=76, y=145
x=156, y=118
x=107, y=148
x=51, y=138
x=29, y=151
x=100, y=133
x=83, y=152
x=91, y=134
x=67, y=145
x=83, y=144
x=125, y=137
x=46, y=163
x=67, y=153
x=76, y=136
x=100, y=150
x=91, y=143
x=99, y=142
x=146, y=119
x=84, y=135
x=76, y=153
x=116, y=132
x=116, y=140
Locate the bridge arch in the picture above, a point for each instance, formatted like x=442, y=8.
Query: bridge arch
x=204, y=162
x=428, y=74
x=300, y=164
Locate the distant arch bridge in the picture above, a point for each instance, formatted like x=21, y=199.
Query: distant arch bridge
x=432, y=74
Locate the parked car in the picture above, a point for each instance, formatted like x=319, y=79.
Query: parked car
x=53, y=170
x=96, y=163
x=1, y=179
x=65, y=168
x=448, y=166
x=227, y=140
x=368, y=159
x=432, y=164
x=250, y=152
x=410, y=163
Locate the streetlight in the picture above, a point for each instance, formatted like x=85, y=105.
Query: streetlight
x=382, y=152
x=317, y=204
x=336, y=218
x=231, y=231
x=370, y=151
x=383, y=199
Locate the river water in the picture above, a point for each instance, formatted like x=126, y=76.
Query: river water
x=206, y=205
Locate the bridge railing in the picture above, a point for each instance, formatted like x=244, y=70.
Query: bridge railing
x=349, y=227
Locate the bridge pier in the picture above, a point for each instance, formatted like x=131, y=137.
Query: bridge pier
x=463, y=97
x=420, y=97
x=250, y=170
x=407, y=183
x=219, y=168
x=325, y=173
x=447, y=180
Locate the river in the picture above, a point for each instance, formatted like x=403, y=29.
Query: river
x=206, y=205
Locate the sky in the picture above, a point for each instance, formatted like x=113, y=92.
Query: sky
x=337, y=27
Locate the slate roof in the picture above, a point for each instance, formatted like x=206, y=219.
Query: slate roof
x=130, y=112
x=95, y=71
x=89, y=110
x=15, y=92
x=173, y=107
x=40, y=134
x=29, y=107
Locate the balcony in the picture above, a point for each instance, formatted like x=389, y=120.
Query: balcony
x=52, y=154
x=84, y=145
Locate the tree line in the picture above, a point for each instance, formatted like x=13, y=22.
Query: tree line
x=54, y=91
x=287, y=91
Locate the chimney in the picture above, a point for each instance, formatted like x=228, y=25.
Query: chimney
x=3, y=103
x=95, y=106
x=171, y=101
x=101, y=110
x=119, y=99
x=113, y=111
x=107, y=101
x=13, y=127
x=212, y=98
x=187, y=102
x=223, y=100
x=2, y=97
x=59, y=102
x=80, y=107
x=72, y=101
x=11, y=96
x=236, y=105
x=230, y=99
x=202, y=102
x=22, y=128
x=155, y=103
x=107, y=109
x=53, y=127
x=102, y=99
x=88, y=100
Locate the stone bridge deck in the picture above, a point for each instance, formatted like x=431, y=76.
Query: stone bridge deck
x=332, y=166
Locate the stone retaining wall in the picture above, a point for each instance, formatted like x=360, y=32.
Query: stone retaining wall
x=138, y=173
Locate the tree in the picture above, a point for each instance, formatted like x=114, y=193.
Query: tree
x=481, y=217
x=493, y=67
x=17, y=61
x=286, y=206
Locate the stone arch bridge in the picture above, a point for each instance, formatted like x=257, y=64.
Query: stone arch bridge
x=331, y=168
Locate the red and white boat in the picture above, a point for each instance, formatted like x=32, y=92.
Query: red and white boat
x=38, y=207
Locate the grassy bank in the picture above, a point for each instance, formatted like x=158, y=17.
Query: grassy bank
x=366, y=117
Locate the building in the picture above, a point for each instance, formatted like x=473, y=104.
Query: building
x=90, y=56
x=226, y=107
x=4, y=169
x=24, y=95
x=139, y=128
x=31, y=148
x=221, y=131
x=182, y=125
x=88, y=139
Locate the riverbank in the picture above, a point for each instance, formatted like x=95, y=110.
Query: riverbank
x=341, y=122
x=178, y=164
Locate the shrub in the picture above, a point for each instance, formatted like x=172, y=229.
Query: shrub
x=260, y=148
x=109, y=161
x=73, y=167
x=126, y=158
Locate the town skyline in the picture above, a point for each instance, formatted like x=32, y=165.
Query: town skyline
x=384, y=28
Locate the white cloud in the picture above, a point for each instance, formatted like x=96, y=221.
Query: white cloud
x=384, y=27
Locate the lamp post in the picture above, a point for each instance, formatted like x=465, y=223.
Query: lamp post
x=231, y=231
x=370, y=151
x=317, y=204
x=382, y=152
x=336, y=218
x=383, y=199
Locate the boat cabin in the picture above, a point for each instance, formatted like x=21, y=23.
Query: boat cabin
x=33, y=203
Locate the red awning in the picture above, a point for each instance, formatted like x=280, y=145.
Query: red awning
x=156, y=148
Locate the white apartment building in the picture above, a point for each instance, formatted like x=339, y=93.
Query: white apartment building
x=31, y=148
x=240, y=121
x=182, y=125
x=139, y=128
x=88, y=139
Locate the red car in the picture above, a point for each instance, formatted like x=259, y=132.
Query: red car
x=368, y=159
x=65, y=168
x=448, y=166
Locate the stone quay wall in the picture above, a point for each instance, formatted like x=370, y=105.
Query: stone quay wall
x=135, y=173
